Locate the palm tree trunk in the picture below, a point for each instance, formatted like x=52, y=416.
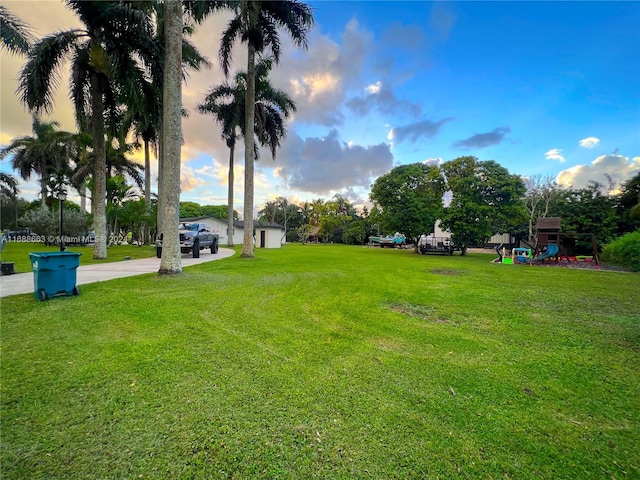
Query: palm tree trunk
x=147, y=190
x=250, y=112
x=82, y=190
x=43, y=189
x=230, y=197
x=98, y=208
x=160, y=175
x=171, y=263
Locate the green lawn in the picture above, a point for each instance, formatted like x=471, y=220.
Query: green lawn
x=18, y=253
x=327, y=362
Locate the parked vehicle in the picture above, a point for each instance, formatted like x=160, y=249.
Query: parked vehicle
x=431, y=244
x=193, y=238
x=389, y=241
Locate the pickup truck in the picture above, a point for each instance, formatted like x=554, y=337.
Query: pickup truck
x=193, y=238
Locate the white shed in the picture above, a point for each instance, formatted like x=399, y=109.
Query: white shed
x=269, y=235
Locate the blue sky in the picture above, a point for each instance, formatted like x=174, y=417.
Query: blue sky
x=548, y=88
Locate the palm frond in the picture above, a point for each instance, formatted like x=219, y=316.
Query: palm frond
x=40, y=73
x=16, y=34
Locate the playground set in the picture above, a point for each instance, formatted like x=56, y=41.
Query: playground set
x=550, y=246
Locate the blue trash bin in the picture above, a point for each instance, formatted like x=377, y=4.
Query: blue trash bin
x=54, y=273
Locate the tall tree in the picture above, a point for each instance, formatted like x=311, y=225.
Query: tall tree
x=15, y=34
x=9, y=189
x=146, y=116
x=628, y=205
x=105, y=67
x=256, y=23
x=44, y=154
x=171, y=263
x=486, y=199
x=586, y=211
x=409, y=199
x=227, y=102
x=541, y=192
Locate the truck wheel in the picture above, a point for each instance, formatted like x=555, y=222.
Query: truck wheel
x=195, y=253
x=214, y=247
x=158, y=252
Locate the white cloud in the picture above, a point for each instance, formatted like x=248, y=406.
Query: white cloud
x=374, y=88
x=188, y=179
x=618, y=168
x=589, y=142
x=554, y=154
x=433, y=161
x=323, y=165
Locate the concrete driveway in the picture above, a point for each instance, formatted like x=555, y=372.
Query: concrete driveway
x=23, y=282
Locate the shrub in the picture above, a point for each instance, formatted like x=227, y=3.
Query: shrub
x=625, y=251
x=46, y=224
x=40, y=221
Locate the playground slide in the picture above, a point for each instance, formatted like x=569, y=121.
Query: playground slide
x=552, y=251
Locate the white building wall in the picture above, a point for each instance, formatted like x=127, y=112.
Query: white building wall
x=497, y=239
x=272, y=237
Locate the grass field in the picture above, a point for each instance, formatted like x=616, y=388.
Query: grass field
x=18, y=253
x=327, y=362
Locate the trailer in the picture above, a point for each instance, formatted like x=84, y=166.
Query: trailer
x=439, y=245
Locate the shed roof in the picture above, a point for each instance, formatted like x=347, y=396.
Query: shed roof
x=549, y=224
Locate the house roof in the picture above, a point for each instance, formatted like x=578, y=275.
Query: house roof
x=267, y=225
x=236, y=223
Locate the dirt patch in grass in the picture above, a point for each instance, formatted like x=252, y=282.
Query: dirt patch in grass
x=423, y=312
x=444, y=271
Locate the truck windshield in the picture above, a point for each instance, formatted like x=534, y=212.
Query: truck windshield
x=190, y=226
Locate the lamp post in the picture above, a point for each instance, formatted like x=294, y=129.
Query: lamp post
x=62, y=196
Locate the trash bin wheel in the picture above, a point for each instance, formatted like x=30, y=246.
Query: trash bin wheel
x=196, y=248
x=75, y=291
x=42, y=295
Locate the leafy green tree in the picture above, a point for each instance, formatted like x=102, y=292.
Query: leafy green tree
x=9, y=193
x=105, y=67
x=628, y=205
x=587, y=211
x=256, y=23
x=355, y=233
x=486, y=199
x=219, y=211
x=190, y=210
x=408, y=199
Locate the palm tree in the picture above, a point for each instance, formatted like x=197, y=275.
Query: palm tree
x=9, y=189
x=15, y=34
x=117, y=163
x=46, y=153
x=256, y=23
x=171, y=263
x=105, y=67
x=146, y=117
x=227, y=105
